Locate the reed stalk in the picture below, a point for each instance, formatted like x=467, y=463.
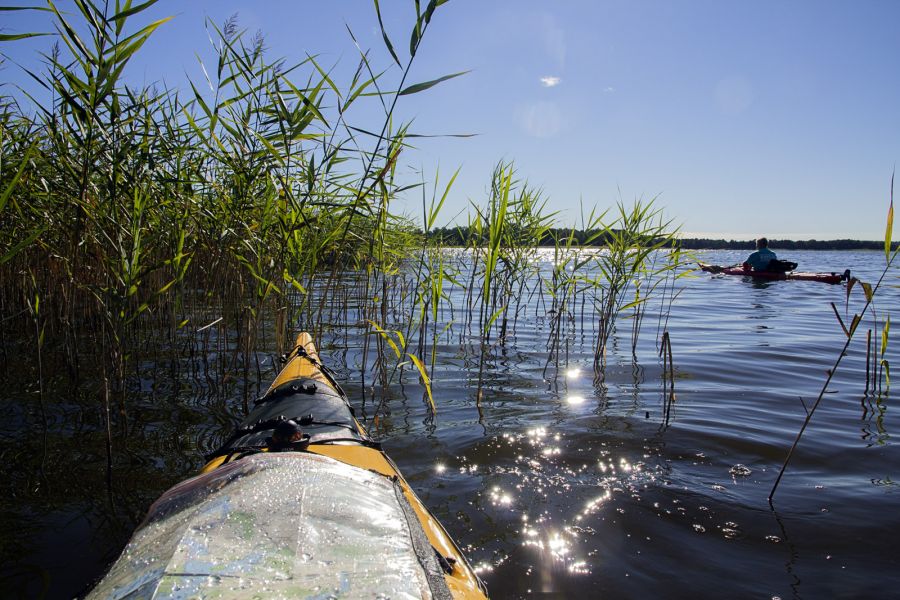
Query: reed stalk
x=870, y=293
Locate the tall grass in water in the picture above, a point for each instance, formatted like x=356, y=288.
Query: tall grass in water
x=621, y=266
x=568, y=282
x=511, y=227
x=139, y=210
x=605, y=263
x=504, y=238
x=245, y=202
x=631, y=244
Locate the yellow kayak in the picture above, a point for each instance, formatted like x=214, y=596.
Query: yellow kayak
x=298, y=503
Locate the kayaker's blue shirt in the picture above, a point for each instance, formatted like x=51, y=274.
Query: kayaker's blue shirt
x=759, y=260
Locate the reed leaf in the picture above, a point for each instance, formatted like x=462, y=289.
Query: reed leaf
x=123, y=12
x=386, y=336
x=421, y=87
x=384, y=35
x=426, y=381
x=840, y=320
x=867, y=290
x=12, y=37
x=21, y=245
x=8, y=190
x=435, y=208
x=889, y=225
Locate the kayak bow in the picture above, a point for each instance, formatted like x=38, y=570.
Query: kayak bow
x=771, y=275
x=298, y=502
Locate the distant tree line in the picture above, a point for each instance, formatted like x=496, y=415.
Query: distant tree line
x=462, y=236
x=710, y=244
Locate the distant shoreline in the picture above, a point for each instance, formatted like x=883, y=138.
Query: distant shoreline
x=712, y=244
x=458, y=237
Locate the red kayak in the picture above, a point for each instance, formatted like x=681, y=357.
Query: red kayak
x=772, y=275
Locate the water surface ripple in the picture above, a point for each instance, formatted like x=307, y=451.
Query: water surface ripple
x=564, y=483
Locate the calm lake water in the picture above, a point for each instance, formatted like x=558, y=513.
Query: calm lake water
x=563, y=483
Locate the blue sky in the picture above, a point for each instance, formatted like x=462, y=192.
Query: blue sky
x=741, y=118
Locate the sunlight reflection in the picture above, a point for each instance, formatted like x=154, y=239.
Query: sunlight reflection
x=579, y=567
x=537, y=433
x=573, y=373
x=576, y=400
x=483, y=567
x=596, y=502
x=558, y=547
x=500, y=498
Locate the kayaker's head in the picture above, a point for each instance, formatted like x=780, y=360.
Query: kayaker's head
x=762, y=243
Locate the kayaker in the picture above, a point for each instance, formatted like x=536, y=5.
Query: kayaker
x=759, y=260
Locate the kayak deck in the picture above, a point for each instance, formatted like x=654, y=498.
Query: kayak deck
x=279, y=525
x=264, y=512
x=832, y=278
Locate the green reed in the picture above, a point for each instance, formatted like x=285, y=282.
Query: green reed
x=134, y=208
x=567, y=281
x=245, y=201
x=632, y=242
x=504, y=238
x=870, y=292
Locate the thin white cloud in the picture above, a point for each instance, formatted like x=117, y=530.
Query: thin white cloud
x=540, y=120
x=609, y=90
x=550, y=81
x=554, y=38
